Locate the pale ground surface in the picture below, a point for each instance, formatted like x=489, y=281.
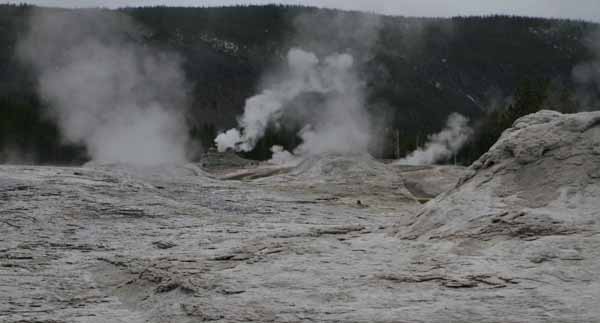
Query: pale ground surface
x=112, y=243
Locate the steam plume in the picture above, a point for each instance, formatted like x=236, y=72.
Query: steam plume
x=342, y=126
x=119, y=98
x=282, y=156
x=443, y=145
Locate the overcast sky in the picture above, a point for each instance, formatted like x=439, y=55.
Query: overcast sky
x=576, y=9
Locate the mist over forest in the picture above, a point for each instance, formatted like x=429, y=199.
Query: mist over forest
x=409, y=76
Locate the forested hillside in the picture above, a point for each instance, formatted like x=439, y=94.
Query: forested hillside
x=417, y=70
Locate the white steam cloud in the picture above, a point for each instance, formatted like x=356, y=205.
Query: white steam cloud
x=123, y=100
x=283, y=157
x=443, y=145
x=342, y=124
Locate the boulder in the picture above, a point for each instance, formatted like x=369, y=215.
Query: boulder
x=541, y=178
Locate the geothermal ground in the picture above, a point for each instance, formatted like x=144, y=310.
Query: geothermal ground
x=333, y=239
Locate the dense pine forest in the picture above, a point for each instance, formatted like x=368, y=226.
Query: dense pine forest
x=417, y=71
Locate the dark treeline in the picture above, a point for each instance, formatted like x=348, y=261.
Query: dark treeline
x=417, y=72
x=531, y=96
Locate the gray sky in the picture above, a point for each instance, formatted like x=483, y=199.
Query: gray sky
x=576, y=9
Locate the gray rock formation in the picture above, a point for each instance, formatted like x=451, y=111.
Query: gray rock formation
x=542, y=177
x=529, y=209
x=427, y=182
x=517, y=240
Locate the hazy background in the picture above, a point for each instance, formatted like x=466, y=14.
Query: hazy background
x=580, y=9
x=68, y=100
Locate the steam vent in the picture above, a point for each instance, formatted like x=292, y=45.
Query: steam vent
x=291, y=164
x=540, y=179
x=179, y=244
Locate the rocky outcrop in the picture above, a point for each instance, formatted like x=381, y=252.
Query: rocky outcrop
x=427, y=182
x=515, y=241
x=342, y=167
x=355, y=179
x=541, y=178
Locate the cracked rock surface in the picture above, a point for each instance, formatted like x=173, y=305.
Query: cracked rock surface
x=533, y=197
x=335, y=239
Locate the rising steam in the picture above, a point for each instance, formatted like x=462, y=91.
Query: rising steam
x=443, y=145
x=124, y=101
x=282, y=157
x=342, y=126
